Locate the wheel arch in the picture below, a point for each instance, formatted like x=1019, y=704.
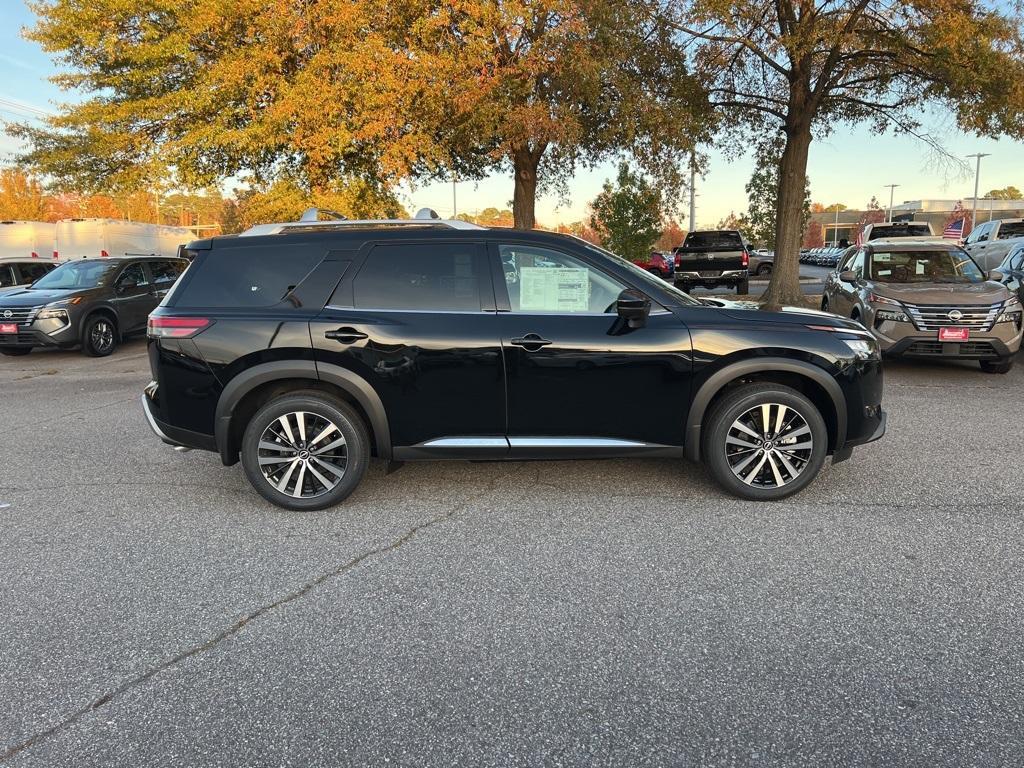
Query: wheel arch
x=811, y=380
x=99, y=309
x=248, y=391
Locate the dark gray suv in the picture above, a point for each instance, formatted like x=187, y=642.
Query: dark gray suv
x=91, y=302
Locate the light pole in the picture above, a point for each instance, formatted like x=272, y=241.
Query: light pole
x=835, y=229
x=693, y=192
x=892, y=188
x=977, y=175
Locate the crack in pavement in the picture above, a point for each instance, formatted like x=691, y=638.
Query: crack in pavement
x=239, y=625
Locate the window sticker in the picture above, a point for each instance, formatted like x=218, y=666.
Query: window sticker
x=554, y=289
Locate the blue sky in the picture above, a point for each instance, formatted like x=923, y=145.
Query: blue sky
x=849, y=166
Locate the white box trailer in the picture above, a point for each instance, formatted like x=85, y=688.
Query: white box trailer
x=27, y=240
x=89, y=238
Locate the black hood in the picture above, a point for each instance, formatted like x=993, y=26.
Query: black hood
x=744, y=310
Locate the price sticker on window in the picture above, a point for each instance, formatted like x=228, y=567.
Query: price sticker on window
x=554, y=289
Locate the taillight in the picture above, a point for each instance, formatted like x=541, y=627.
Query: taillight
x=746, y=259
x=159, y=327
x=678, y=260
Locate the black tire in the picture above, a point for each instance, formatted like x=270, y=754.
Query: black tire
x=99, y=336
x=764, y=269
x=1002, y=365
x=824, y=304
x=15, y=351
x=320, y=409
x=736, y=406
x=743, y=288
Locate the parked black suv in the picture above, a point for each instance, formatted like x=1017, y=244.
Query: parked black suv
x=91, y=302
x=304, y=349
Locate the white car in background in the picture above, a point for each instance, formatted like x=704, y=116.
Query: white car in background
x=990, y=242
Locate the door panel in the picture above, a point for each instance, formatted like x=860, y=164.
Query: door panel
x=575, y=369
x=135, y=303
x=597, y=377
x=423, y=333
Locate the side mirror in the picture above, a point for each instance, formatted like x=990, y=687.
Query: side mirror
x=848, y=276
x=633, y=307
x=995, y=274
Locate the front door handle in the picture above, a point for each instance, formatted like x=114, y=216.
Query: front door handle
x=531, y=342
x=346, y=335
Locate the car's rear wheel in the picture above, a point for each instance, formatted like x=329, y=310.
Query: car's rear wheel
x=99, y=336
x=15, y=351
x=743, y=288
x=1002, y=365
x=305, y=451
x=764, y=269
x=764, y=441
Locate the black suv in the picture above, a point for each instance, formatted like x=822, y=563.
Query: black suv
x=306, y=348
x=90, y=302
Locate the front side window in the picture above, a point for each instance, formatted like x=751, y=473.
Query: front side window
x=78, y=274
x=924, y=267
x=439, y=277
x=540, y=280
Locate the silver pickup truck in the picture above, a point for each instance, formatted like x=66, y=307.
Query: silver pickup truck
x=990, y=241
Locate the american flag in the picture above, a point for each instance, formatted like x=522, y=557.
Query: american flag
x=954, y=230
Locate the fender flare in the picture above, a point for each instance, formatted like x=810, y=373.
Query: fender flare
x=352, y=384
x=99, y=309
x=733, y=371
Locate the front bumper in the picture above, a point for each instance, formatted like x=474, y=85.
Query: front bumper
x=901, y=338
x=847, y=450
x=42, y=333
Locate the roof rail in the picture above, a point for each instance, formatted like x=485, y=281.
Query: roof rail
x=310, y=219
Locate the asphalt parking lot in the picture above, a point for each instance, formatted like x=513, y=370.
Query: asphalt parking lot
x=156, y=611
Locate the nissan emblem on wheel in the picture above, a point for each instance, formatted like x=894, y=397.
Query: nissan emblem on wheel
x=304, y=349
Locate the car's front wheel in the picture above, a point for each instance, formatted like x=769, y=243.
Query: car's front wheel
x=305, y=451
x=764, y=441
x=99, y=336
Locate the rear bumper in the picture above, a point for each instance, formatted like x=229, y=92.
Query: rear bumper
x=726, y=277
x=180, y=439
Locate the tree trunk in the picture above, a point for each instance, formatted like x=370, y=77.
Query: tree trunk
x=784, y=288
x=524, y=200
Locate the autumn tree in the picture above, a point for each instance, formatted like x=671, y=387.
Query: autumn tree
x=627, y=215
x=803, y=66
x=672, y=235
x=1006, y=193
x=315, y=92
x=22, y=196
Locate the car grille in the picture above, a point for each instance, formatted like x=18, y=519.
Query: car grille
x=973, y=349
x=931, y=317
x=19, y=315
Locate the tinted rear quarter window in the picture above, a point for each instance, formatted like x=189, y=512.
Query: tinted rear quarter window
x=1006, y=231
x=720, y=240
x=246, y=276
x=420, y=276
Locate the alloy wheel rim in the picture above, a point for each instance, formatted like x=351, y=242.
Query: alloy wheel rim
x=769, y=446
x=102, y=336
x=303, y=454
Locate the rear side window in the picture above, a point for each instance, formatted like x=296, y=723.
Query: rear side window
x=418, y=276
x=6, y=277
x=166, y=272
x=32, y=272
x=721, y=240
x=1007, y=231
x=246, y=276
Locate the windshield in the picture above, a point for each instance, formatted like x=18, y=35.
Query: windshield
x=899, y=230
x=643, y=276
x=925, y=267
x=76, y=274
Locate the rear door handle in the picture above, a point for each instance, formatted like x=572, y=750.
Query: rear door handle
x=531, y=342
x=346, y=335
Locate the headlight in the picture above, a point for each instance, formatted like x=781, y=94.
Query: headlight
x=52, y=313
x=887, y=314
x=1011, y=303
x=1010, y=317
x=864, y=348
